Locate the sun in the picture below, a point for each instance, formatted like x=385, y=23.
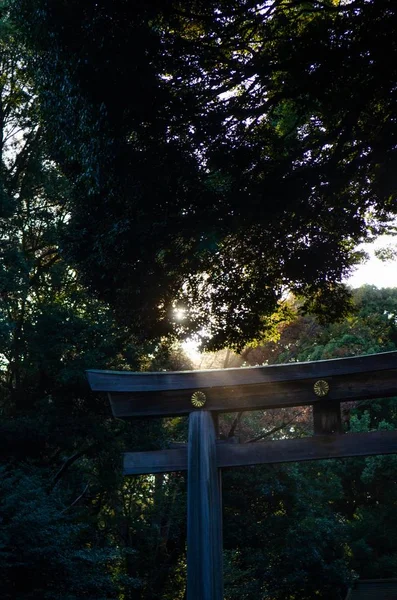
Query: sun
x=180, y=314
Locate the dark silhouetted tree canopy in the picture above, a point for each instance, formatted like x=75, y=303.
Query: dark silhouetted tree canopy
x=220, y=152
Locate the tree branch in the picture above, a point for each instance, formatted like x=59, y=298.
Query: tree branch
x=274, y=430
x=236, y=421
x=68, y=463
x=77, y=499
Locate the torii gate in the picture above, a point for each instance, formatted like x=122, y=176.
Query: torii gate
x=203, y=394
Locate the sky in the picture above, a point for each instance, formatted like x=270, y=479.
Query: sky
x=374, y=271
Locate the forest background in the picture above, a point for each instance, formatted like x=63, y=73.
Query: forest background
x=201, y=172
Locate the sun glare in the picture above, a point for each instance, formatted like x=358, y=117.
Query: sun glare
x=180, y=314
x=190, y=348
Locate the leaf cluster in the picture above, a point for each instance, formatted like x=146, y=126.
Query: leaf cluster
x=254, y=152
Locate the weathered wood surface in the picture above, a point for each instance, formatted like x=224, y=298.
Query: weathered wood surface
x=204, y=515
x=155, y=461
x=127, y=381
x=310, y=448
x=327, y=417
x=280, y=451
x=359, y=386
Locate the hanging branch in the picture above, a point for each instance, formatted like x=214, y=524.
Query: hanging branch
x=235, y=423
x=68, y=462
x=77, y=499
x=274, y=430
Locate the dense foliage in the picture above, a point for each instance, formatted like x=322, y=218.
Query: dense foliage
x=304, y=531
x=219, y=152
x=65, y=513
x=230, y=174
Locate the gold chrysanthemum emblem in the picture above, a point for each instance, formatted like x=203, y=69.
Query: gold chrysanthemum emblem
x=321, y=387
x=198, y=399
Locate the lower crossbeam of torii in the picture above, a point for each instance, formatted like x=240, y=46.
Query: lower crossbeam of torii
x=203, y=394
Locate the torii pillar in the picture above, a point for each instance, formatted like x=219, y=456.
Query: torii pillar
x=204, y=511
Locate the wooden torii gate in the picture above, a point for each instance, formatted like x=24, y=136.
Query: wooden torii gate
x=204, y=394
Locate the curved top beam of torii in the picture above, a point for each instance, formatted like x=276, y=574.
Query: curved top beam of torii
x=252, y=388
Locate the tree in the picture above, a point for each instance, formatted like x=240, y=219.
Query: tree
x=186, y=193
x=66, y=514
x=240, y=167
x=324, y=523
x=369, y=329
